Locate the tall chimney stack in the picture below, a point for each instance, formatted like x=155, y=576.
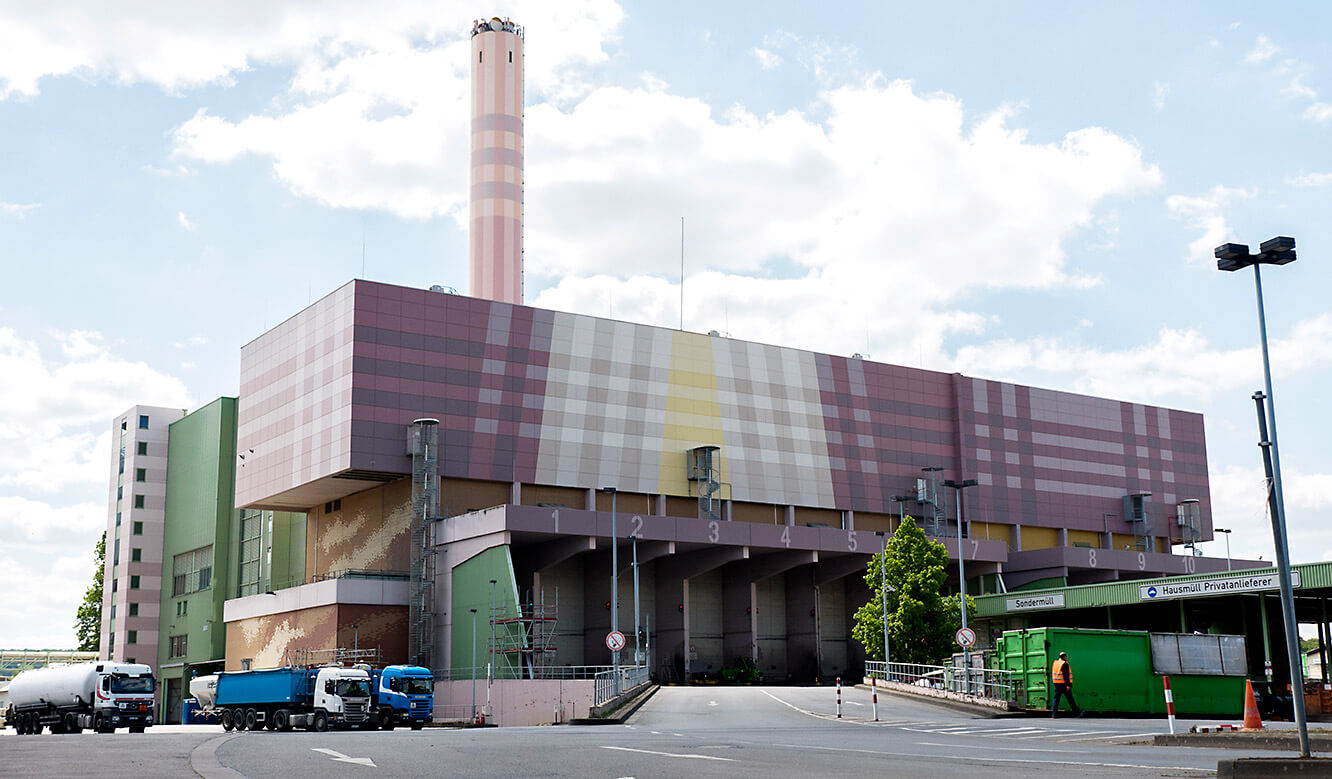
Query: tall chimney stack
x=496, y=224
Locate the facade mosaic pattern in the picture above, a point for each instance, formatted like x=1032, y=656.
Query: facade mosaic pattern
x=539, y=397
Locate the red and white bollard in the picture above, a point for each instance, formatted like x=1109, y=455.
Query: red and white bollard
x=1170, y=705
x=874, y=691
x=839, y=697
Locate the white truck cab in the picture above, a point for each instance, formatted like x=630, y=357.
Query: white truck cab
x=344, y=693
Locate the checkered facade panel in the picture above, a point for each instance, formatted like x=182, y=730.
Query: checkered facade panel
x=551, y=398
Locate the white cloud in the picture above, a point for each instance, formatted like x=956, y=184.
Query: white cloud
x=186, y=343
x=826, y=62
x=52, y=587
x=1262, y=51
x=1206, y=213
x=1239, y=503
x=55, y=411
x=1319, y=112
x=18, y=210
x=767, y=59
x=177, y=46
x=1159, y=92
x=1311, y=179
x=1179, y=365
x=184, y=220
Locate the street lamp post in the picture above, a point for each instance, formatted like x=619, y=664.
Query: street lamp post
x=638, y=651
x=1227, y=532
x=1232, y=257
x=883, y=583
x=615, y=598
x=901, y=505
x=490, y=665
x=962, y=570
x=473, y=664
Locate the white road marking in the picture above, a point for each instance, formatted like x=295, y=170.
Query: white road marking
x=989, y=747
x=1121, y=735
x=854, y=703
x=658, y=732
x=1003, y=759
x=338, y=757
x=671, y=754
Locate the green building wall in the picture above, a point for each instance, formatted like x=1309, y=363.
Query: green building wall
x=472, y=590
x=200, y=511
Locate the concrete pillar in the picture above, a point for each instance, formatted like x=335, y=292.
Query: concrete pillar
x=590, y=499
x=670, y=630
x=848, y=520
x=659, y=505
x=1015, y=538
x=1063, y=536
x=516, y=493
x=790, y=515
x=801, y=636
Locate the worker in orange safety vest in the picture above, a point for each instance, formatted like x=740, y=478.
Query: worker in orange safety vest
x=1061, y=675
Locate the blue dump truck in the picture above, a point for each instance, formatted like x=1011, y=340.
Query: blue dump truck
x=285, y=698
x=402, y=695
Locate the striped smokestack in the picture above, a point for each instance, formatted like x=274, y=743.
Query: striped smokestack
x=496, y=225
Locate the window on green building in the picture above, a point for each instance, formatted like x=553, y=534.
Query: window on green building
x=250, y=569
x=192, y=571
x=178, y=646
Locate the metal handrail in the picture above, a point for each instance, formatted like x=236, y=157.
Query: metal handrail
x=631, y=678
x=993, y=683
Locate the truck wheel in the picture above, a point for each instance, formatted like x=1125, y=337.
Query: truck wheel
x=282, y=720
x=72, y=723
x=386, y=720
x=21, y=724
x=320, y=724
x=228, y=720
x=251, y=719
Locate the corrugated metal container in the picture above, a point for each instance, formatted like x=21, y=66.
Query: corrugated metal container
x=1113, y=671
x=275, y=685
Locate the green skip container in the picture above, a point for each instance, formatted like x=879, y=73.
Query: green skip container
x=1113, y=670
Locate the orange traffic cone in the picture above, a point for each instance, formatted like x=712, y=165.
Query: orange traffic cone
x=1251, y=719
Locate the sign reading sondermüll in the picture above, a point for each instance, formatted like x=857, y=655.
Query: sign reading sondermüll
x=1249, y=583
x=1051, y=601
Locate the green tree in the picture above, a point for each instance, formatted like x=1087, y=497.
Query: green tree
x=921, y=619
x=88, y=622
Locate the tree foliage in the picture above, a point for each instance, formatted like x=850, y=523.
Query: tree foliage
x=921, y=619
x=88, y=621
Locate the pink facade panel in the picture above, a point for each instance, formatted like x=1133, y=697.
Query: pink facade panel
x=295, y=403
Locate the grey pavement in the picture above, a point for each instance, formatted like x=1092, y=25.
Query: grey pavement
x=694, y=731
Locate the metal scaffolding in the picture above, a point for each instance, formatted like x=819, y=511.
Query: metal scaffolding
x=525, y=635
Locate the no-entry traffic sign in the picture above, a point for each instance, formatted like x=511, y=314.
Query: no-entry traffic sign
x=615, y=641
x=966, y=637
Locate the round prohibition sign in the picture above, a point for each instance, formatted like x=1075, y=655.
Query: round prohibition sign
x=966, y=637
x=615, y=641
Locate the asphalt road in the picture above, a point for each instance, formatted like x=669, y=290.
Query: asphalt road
x=694, y=731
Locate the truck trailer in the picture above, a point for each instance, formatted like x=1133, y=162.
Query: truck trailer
x=402, y=695
x=286, y=698
x=102, y=696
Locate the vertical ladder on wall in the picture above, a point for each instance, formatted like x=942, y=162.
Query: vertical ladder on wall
x=423, y=445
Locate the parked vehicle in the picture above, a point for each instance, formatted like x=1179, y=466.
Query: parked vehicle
x=102, y=696
x=285, y=698
x=402, y=695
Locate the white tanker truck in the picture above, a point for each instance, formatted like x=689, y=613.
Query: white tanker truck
x=68, y=698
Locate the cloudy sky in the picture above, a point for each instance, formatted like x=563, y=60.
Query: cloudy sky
x=1017, y=191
